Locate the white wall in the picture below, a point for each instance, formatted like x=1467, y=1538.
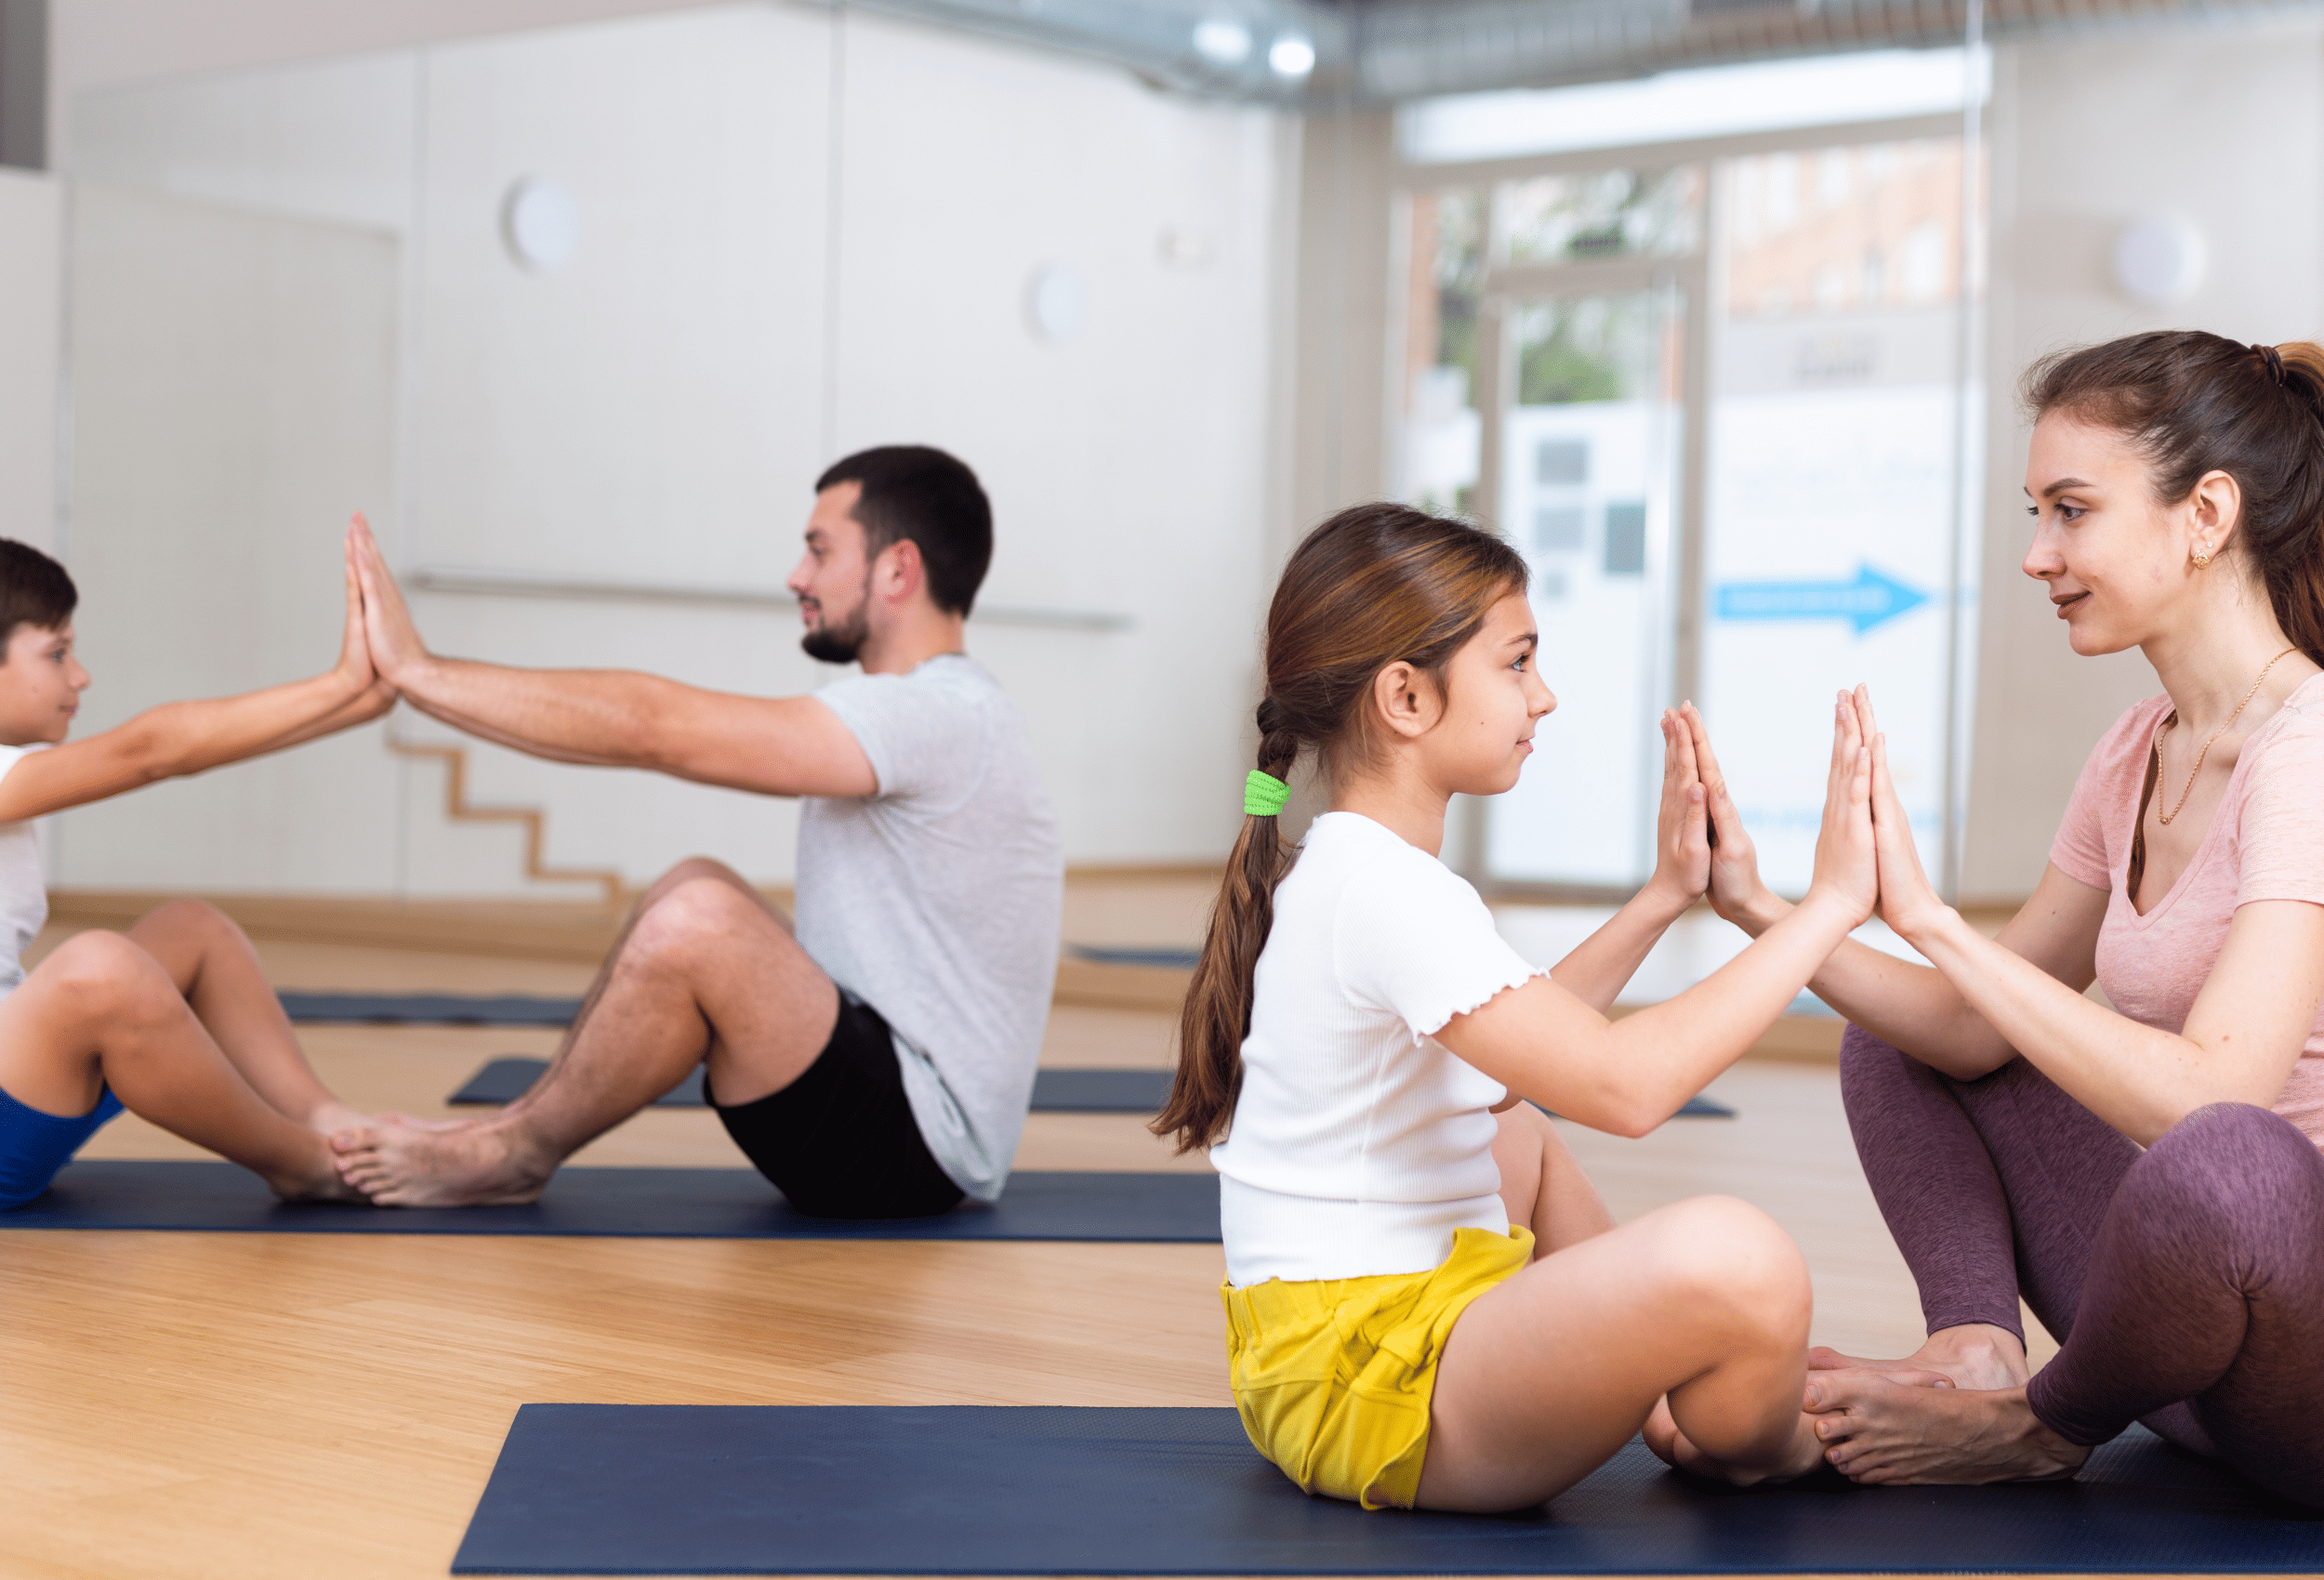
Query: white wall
x=235, y=391
x=2223, y=123
x=657, y=414
x=32, y=258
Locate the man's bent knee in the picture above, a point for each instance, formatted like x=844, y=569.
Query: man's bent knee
x=700, y=918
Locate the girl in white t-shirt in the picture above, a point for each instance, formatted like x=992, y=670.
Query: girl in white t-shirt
x=1427, y=1304
x=172, y=1019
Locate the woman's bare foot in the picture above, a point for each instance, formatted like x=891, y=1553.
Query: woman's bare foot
x=469, y=1165
x=1888, y=1434
x=1974, y=1355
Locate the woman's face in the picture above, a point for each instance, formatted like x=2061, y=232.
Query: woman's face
x=1492, y=698
x=2117, y=563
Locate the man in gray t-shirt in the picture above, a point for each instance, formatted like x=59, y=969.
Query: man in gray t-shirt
x=877, y=1062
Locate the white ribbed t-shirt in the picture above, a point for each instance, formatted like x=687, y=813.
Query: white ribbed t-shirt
x=1359, y=1142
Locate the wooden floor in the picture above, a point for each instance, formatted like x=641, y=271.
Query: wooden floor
x=321, y=1405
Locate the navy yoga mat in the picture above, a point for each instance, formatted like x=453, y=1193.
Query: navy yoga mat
x=427, y=1010
x=681, y=1204
x=630, y=1489
x=1055, y=1091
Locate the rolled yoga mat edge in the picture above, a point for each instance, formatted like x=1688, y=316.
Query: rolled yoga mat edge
x=679, y=1204
x=609, y=1489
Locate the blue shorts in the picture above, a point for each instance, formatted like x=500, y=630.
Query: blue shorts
x=35, y=1145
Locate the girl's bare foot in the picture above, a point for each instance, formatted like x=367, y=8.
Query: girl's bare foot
x=1974, y=1355
x=1888, y=1434
x=1802, y=1454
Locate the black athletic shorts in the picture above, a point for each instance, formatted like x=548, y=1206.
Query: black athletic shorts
x=841, y=1141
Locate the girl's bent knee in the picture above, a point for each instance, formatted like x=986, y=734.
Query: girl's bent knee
x=1726, y=1256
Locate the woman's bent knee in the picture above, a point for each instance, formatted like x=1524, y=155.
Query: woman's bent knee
x=2227, y=1162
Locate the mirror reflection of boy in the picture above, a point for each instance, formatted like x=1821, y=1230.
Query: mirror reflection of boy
x=172, y=1019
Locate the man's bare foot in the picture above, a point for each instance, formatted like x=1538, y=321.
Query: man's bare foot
x=1888, y=1434
x=1802, y=1454
x=1974, y=1355
x=472, y=1166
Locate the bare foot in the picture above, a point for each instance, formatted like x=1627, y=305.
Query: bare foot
x=319, y=1182
x=413, y=1122
x=331, y=1116
x=472, y=1166
x=1802, y=1454
x=1974, y=1355
x=1886, y=1434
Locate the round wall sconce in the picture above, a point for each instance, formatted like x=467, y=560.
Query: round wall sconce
x=1222, y=41
x=540, y=224
x=2159, y=261
x=1056, y=302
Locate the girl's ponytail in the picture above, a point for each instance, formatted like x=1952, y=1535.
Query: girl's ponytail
x=1216, y=1017
x=1375, y=585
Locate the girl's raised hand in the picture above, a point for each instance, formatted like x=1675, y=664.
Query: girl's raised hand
x=1908, y=901
x=1737, y=892
x=1847, y=861
x=1681, y=829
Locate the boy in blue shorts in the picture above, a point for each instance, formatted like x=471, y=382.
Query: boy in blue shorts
x=172, y=1019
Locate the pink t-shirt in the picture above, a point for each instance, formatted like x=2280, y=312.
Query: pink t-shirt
x=2265, y=842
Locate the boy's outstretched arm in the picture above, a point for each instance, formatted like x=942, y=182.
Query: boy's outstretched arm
x=181, y=738
x=614, y=718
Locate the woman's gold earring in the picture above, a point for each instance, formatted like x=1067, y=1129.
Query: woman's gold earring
x=2202, y=558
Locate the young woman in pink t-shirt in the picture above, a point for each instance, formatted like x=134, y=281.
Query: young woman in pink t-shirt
x=2146, y=1175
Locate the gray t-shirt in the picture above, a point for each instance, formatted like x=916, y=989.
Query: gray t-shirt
x=936, y=900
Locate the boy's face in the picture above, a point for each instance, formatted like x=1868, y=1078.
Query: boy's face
x=40, y=685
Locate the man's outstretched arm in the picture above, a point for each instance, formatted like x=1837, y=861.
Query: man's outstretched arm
x=614, y=718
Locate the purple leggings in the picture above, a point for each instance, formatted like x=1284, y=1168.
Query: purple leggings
x=2184, y=1283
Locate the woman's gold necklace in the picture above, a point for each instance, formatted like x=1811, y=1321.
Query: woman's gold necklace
x=2173, y=720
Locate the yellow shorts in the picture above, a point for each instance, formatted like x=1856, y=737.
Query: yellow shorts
x=1333, y=1376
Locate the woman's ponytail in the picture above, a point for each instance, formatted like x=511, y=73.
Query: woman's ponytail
x=1373, y=585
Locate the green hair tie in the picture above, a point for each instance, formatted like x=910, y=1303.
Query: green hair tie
x=1263, y=794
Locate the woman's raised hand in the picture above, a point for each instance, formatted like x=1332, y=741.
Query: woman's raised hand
x=1847, y=861
x=1907, y=900
x=1681, y=830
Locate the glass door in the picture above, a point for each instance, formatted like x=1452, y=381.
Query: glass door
x=1842, y=434
x=1587, y=459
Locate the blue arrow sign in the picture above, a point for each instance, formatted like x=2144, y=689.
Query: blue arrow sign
x=1869, y=600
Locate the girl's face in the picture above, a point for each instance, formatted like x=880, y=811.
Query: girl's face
x=1492, y=698
x=2117, y=564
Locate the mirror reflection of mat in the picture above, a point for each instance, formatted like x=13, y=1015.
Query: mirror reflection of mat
x=1055, y=1091
x=612, y=1488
